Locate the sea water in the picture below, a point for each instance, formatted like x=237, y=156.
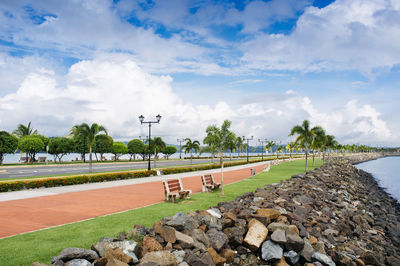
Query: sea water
x=387, y=172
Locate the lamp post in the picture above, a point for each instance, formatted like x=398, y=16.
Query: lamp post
x=141, y=118
x=277, y=144
x=144, y=139
x=262, y=141
x=180, y=147
x=247, y=139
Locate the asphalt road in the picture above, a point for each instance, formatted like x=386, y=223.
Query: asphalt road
x=14, y=172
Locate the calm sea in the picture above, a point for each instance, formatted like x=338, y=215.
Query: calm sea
x=386, y=172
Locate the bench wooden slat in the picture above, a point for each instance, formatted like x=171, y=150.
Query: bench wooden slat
x=173, y=188
x=208, y=183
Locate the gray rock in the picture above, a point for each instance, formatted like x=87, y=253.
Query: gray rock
x=294, y=241
x=129, y=247
x=79, y=262
x=319, y=247
x=217, y=239
x=324, y=259
x=179, y=255
x=215, y=212
x=210, y=221
x=75, y=253
x=199, y=235
x=291, y=256
x=184, y=240
x=162, y=258
x=200, y=246
x=272, y=227
x=271, y=251
x=279, y=236
x=307, y=251
x=304, y=199
x=194, y=260
x=235, y=235
x=182, y=222
x=57, y=263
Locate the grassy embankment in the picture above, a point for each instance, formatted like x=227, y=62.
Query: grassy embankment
x=42, y=245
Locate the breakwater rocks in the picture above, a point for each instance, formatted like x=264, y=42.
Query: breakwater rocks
x=334, y=215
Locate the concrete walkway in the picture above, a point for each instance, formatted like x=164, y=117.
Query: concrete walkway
x=30, y=210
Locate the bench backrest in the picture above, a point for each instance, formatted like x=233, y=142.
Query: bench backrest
x=172, y=185
x=208, y=180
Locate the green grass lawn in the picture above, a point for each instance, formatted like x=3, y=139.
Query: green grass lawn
x=42, y=245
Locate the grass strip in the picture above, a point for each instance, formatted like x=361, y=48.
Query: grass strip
x=42, y=245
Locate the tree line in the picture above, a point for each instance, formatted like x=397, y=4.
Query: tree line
x=88, y=139
x=83, y=139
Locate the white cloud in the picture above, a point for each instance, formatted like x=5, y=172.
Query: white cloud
x=346, y=35
x=113, y=90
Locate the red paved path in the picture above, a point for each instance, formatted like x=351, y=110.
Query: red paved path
x=21, y=216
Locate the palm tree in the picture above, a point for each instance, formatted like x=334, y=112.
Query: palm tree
x=89, y=133
x=191, y=146
x=209, y=149
x=269, y=144
x=221, y=138
x=158, y=145
x=231, y=142
x=305, y=136
x=290, y=148
x=330, y=143
x=239, y=145
x=23, y=131
x=279, y=149
x=318, y=139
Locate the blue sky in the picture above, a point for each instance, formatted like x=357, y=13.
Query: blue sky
x=265, y=65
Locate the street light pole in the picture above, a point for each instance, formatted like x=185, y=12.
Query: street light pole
x=262, y=141
x=247, y=139
x=141, y=118
x=180, y=147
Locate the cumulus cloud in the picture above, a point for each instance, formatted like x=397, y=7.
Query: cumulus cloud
x=113, y=90
x=346, y=35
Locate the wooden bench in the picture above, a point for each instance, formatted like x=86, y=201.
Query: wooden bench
x=173, y=189
x=42, y=159
x=209, y=183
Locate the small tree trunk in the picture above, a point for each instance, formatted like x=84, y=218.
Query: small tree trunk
x=155, y=156
x=90, y=158
x=313, y=159
x=222, y=175
x=306, y=159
